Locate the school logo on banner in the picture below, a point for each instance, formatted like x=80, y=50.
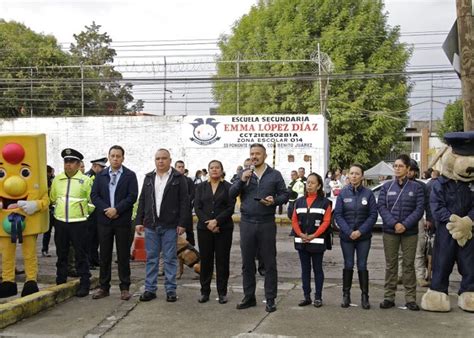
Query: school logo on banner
x=205, y=133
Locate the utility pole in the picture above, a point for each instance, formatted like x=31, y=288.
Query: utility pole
x=31, y=92
x=237, y=94
x=431, y=106
x=465, y=20
x=164, y=89
x=321, y=96
x=82, y=89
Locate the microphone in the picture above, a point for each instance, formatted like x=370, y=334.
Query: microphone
x=252, y=169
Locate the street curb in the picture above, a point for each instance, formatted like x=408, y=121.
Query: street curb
x=25, y=307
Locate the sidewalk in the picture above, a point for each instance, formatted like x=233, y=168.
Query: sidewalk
x=112, y=317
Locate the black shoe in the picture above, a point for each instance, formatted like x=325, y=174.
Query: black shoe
x=203, y=299
x=412, y=306
x=387, y=304
x=147, y=296
x=92, y=267
x=8, y=289
x=304, y=302
x=82, y=291
x=45, y=254
x=270, y=307
x=222, y=299
x=246, y=303
x=261, y=271
x=318, y=303
x=171, y=298
x=29, y=288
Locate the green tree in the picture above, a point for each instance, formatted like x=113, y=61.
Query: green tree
x=452, y=119
x=104, y=92
x=28, y=81
x=138, y=106
x=367, y=110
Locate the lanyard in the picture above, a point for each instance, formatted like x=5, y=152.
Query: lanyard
x=398, y=197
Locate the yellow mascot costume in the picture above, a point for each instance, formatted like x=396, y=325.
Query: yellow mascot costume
x=23, y=206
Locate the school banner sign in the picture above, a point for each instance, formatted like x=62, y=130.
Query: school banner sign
x=239, y=131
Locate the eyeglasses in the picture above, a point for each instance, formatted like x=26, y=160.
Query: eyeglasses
x=399, y=166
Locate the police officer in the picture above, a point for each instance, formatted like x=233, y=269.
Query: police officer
x=93, y=237
x=70, y=192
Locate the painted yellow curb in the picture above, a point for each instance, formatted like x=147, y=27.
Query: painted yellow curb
x=28, y=306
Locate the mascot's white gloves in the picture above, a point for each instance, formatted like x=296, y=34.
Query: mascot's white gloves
x=460, y=228
x=29, y=207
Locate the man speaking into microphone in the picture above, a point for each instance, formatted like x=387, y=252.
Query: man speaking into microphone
x=261, y=190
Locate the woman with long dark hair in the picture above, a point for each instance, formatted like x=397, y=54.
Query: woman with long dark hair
x=311, y=220
x=214, y=209
x=401, y=205
x=355, y=214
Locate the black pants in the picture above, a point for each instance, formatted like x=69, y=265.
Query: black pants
x=47, y=234
x=93, y=240
x=122, y=244
x=261, y=236
x=217, y=245
x=190, y=235
x=76, y=234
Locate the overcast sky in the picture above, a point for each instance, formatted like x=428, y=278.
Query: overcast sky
x=207, y=19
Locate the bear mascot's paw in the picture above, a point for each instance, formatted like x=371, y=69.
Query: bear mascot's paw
x=8, y=289
x=460, y=228
x=435, y=301
x=29, y=288
x=466, y=301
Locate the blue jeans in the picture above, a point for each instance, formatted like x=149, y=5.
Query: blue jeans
x=316, y=259
x=349, y=248
x=161, y=240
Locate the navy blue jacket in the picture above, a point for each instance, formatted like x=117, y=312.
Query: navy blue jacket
x=126, y=194
x=401, y=204
x=271, y=183
x=450, y=197
x=175, y=207
x=356, y=209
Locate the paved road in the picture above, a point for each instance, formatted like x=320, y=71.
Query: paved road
x=112, y=317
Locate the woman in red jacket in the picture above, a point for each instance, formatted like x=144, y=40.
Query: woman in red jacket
x=310, y=222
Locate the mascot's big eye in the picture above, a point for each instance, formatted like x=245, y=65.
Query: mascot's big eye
x=3, y=173
x=25, y=172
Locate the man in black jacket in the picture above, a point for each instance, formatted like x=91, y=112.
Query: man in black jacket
x=261, y=189
x=163, y=213
x=180, y=167
x=114, y=192
x=93, y=233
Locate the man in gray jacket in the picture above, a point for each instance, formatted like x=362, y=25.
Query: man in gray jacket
x=261, y=189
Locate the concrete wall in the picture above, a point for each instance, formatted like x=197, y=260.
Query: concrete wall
x=141, y=136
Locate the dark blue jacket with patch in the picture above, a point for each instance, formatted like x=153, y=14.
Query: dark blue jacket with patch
x=401, y=203
x=356, y=209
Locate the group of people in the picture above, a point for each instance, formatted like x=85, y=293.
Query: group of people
x=165, y=212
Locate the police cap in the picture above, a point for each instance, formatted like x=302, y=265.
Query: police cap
x=70, y=153
x=100, y=161
x=461, y=142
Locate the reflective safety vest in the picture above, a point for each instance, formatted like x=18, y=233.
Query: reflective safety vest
x=71, y=197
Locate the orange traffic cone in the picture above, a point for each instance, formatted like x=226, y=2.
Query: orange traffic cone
x=138, y=251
